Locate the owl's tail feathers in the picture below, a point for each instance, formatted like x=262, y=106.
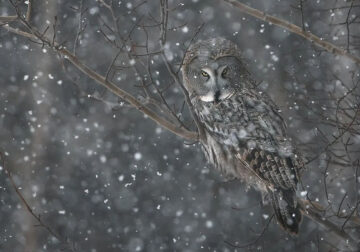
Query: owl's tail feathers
x=287, y=209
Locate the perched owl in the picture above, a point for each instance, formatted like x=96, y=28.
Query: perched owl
x=244, y=133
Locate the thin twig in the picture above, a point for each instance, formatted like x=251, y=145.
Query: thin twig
x=340, y=205
x=29, y=209
x=80, y=26
x=254, y=241
x=350, y=215
x=294, y=29
x=302, y=14
x=348, y=26
x=28, y=11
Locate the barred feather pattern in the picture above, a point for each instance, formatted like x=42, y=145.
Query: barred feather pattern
x=245, y=139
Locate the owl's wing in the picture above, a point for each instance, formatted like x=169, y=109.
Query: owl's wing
x=272, y=169
x=272, y=161
x=273, y=158
x=257, y=139
x=279, y=175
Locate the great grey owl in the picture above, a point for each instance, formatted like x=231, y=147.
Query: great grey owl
x=244, y=132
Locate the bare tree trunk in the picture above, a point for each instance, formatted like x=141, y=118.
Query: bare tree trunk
x=44, y=65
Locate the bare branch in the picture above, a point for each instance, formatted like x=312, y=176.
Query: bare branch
x=294, y=29
x=107, y=84
x=28, y=208
x=81, y=29
x=127, y=97
x=7, y=19
x=310, y=211
x=28, y=11
x=256, y=240
x=348, y=26
x=164, y=16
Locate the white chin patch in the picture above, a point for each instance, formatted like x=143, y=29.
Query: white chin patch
x=209, y=97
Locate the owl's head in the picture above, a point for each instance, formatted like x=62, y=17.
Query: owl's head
x=213, y=70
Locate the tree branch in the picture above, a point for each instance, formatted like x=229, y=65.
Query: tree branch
x=164, y=21
x=7, y=19
x=189, y=135
x=308, y=209
x=294, y=29
x=28, y=11
x=28, y=208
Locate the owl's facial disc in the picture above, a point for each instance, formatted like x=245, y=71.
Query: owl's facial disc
x=216, y=84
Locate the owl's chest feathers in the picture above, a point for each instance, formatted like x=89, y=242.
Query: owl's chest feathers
x=244, y=116
x=240, y=115
x=233, y=126
x=222, y=126
x=224, y=159
x=228, y=111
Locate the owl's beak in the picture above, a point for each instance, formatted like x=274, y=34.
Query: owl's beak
x=217, y=96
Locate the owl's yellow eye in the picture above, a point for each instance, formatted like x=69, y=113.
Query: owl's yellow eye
x=205, y=74
x=224, y=72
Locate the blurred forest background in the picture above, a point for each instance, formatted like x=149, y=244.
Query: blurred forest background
x=105, y=177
